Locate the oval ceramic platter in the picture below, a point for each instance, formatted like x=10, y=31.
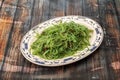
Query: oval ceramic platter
x=95, y=41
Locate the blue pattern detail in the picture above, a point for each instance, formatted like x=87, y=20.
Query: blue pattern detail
x=99, y=38
x=29, y=56
x=39, y=62
x=23, y=49
x=67, y=59
x=26, y=45
x=94, y=47
x=97, y=31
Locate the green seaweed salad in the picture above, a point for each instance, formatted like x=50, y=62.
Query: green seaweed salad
x=61, y=40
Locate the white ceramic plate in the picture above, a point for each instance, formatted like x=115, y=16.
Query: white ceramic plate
x=95, y=41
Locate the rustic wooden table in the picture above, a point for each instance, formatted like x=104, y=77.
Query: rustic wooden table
x=19, y=16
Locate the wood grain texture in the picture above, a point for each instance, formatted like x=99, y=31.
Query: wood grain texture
x=6, y=19
x=19, y=16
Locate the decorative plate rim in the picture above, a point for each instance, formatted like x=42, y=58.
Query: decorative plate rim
x=55, y=63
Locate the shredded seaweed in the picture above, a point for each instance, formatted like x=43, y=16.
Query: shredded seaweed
x=61, y=40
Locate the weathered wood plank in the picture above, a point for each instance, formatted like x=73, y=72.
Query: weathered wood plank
x=57, y=11
x=74, y=7
x=39, y=9
x=114, y=31
x=6, y=19
x=111, y=36
x=14, y=60
x=1, y=3
x=117, y=8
